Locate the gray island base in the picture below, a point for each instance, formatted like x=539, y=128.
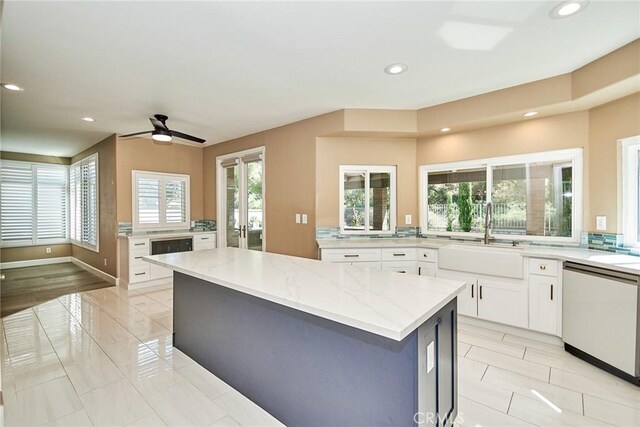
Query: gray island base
x=307, y=370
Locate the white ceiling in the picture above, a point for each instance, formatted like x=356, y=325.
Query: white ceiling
x=225, y=69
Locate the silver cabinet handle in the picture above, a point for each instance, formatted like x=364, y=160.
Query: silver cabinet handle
x=351, y=255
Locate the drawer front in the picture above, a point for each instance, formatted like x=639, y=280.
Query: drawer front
x=367, y=264
x=139, y=244
x=138, y=273
x=399, y=254
x=203, y=246
x=350, y=255
x=408, y=267
x=543, y=267
x=427, y=255
x=204, y=237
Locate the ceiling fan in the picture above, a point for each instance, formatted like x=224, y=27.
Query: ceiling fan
x=162, y=133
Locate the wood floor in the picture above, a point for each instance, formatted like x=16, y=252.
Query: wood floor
x=29, y=286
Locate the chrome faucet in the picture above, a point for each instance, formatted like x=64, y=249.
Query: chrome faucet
x=488, y=219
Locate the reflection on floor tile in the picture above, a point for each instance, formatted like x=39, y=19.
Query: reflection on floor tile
x=106, y=357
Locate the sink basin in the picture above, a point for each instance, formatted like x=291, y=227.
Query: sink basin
x=482, y=259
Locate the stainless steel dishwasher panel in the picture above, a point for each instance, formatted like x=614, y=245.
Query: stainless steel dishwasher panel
x=600, y=315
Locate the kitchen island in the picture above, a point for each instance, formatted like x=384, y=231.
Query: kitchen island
x=316, y=343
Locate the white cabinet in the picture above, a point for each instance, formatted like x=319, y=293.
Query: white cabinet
x=351, y=255
x=400, y=260
x=204, y=241
x=491, y=298
x=408, y=267
x=138, y=270
x=427, y=259
x=545, y=295
x=503, y=301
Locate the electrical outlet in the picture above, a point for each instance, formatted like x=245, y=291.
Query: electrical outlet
x=601, y=223
x=297, y=218
x=304, y=218
x=407, y=219
x=47, y=250
x=105, y=262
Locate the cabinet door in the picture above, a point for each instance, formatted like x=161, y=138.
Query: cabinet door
x=543, y=304
x=503, y=301
x=427, y=269
x=467, y=300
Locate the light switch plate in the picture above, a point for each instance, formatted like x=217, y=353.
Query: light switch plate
x=601, y=223
x=297, y=218
x=407, y=219
x=304, y=218
x=430, y=356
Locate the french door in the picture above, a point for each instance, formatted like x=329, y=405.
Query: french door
x=241, y=200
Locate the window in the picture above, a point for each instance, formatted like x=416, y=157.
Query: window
x=160, y=201
x=532, y=196
x=368, y=195
x=83, y=193
x=33, y=203
x=630, y=149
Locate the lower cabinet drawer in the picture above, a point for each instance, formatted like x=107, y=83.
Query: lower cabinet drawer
x=138, y=273
x=407, y=267
x=350, y=255
x=543, y=267
x=399, y=254
x=427, y=254
x=203, y=246
x=367, y=264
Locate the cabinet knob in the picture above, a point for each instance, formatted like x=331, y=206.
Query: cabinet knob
x=425, y=255
x=543, y=267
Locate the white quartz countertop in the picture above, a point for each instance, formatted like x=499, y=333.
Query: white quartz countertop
x=154, y=235
x=377, y=301
x=613, y=261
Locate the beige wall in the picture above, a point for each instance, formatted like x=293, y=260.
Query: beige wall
x=333, y=152
x=526, y=136
x=26, y=253
x=290, y=166
x=607, y=124
x=143, y=154
x=106, y=150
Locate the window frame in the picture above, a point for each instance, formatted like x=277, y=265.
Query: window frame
x=575, y=155
x=162, y=224
x=368, y=169
x=629, y=200
x=35, y=241
x=82, y=243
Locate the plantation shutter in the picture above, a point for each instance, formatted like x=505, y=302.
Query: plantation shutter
x=176, y=203
x=160, y=201
x=16, y=203
x=83, y=204
x=51, y=196
x=149, y=201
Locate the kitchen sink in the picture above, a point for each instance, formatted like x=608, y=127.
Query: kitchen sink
x=492, y=260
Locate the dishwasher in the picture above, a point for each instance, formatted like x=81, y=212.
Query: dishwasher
x=600, y=322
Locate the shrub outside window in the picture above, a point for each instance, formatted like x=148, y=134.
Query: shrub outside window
x=533, y=196
x=368, y=199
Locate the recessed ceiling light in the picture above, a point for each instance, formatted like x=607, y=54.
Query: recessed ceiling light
x=88, y=119
x=568, y=8
x=530, y=113
x=395, y=69
x=445, y=129
x=11, y=86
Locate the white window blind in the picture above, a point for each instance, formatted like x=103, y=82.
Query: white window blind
x=160, y=201
x=33, y=203
x=83, y=191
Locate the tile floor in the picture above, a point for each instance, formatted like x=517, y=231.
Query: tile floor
x=104, y=358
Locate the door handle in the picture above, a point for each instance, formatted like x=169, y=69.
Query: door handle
x=472, y=285
x=244, y=231
x=551, y=292
x=480, y=291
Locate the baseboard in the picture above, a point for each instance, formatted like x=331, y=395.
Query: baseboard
x=148, y=283
x=512, y=330
x=34, y=262
x=91, y=269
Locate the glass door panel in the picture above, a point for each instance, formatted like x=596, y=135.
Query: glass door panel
x=232, y=205
x=254, y=205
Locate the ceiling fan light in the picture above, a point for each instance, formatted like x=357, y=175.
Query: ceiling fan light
x=161, y=136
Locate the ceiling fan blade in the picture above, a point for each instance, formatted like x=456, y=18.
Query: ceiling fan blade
x=135, y=134
x=187, y=137
x=158, y=124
